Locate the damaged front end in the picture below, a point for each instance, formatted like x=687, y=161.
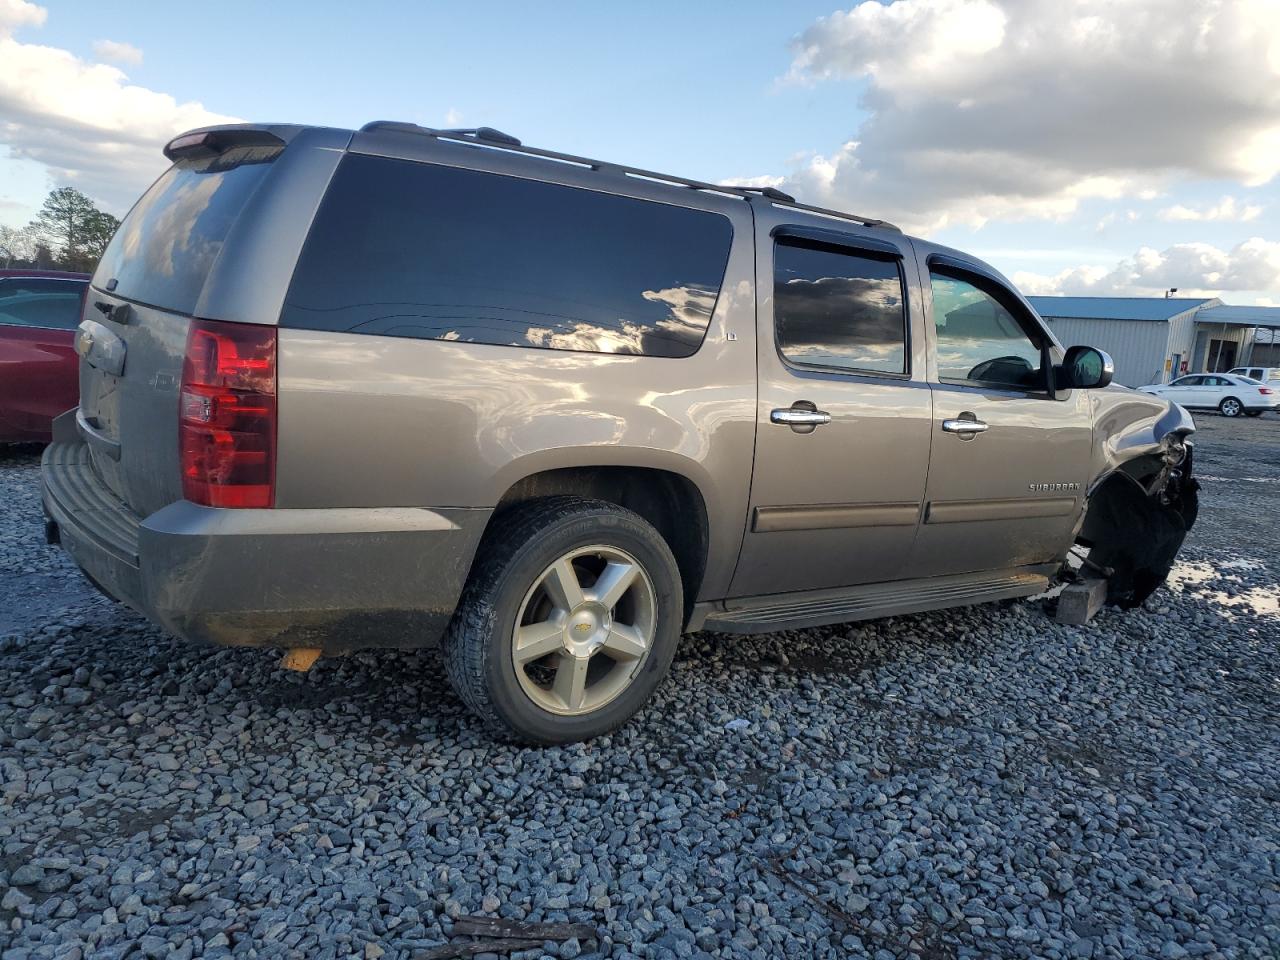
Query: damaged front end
x=1139, y=513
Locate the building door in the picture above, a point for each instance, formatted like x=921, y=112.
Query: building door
x=1198, y=356
x=1175, y=368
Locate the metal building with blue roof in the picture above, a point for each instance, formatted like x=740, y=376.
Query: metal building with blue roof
x=1155, y=339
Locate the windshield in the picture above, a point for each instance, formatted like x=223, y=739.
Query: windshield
x=164, y=250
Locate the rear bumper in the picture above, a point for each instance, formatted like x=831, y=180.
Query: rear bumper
x=340, y=579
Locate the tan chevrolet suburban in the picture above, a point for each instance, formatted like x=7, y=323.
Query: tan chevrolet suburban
x=399, y=386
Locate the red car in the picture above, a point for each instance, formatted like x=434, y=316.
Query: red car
x=39, y=369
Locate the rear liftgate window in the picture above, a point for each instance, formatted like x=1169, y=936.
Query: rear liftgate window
x=164, y=250
x=407, y=249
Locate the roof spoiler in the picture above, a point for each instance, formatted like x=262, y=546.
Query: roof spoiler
x=212, y=141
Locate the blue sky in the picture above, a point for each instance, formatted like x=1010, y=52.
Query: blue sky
x=1054, y=142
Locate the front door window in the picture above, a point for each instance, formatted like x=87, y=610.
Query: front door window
x=980, y=341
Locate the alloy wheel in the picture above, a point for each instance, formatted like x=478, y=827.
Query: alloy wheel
x=584, y=630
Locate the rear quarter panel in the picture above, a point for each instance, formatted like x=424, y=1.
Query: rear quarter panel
x=370, y=421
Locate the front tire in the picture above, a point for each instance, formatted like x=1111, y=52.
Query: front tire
x=1230, y=407
x=568, y=623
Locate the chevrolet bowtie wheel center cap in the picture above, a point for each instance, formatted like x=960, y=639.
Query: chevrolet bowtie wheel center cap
x=587, y=629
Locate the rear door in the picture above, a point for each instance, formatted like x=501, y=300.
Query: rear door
x=843, y=415
x=1207, y=393
x=1010, y=460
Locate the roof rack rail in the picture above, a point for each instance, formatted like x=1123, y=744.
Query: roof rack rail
x=488, y=136
x=769, y=193
x=483, y=133
x=470, y=133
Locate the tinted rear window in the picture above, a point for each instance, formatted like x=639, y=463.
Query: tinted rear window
x=409, y=249
x=839, y=309
x=164, y=250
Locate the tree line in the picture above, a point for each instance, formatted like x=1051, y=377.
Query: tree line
x=69, y=233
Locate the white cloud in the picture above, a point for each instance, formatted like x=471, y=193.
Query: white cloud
x=758, y=182
x=117, y=52
x=1226, y=209
x=1194, y=268
x=1115, y=216
x=20, y=13
x=1014, y=109
x=453, y=117
x=84, y=121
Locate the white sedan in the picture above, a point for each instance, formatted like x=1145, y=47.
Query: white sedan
x=1228, y=393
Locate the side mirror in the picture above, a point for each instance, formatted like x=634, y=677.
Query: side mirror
x=1087, y=368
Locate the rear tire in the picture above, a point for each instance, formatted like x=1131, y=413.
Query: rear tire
x=568, y=622
x=1230, y=407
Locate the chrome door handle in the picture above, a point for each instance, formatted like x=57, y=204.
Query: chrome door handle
x=964, y=427
x=799, y=418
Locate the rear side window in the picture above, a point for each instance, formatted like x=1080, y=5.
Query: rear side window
x=838, y=309
x=164, y=250
x=407, y=249
x=37, y=302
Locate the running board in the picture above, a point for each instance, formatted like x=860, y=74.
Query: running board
x=791, y=611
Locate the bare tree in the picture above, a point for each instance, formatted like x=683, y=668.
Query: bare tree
x=17, y=245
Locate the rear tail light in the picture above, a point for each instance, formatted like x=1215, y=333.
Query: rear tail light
x=227, y=415
x=1265, y=391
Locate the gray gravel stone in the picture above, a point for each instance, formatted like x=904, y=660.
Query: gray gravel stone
x=971, y=783
x=26, y=875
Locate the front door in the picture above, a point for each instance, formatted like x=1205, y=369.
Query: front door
x=843, y=417
x=1180, y=390
x=1010, y=459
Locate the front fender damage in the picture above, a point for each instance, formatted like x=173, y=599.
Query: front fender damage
x=1138, y=518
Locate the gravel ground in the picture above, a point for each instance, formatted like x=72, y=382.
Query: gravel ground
x=972, y=783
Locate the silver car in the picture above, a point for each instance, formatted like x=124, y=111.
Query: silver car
x=399, y=386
